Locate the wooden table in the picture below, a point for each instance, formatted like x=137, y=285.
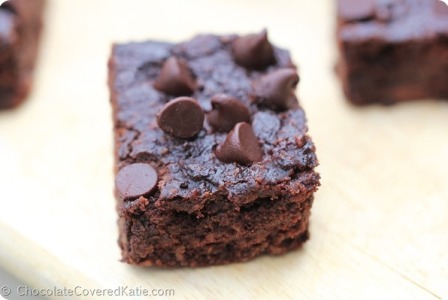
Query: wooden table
x=379, y=226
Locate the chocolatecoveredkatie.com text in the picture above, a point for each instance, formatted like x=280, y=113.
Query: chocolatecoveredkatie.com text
x=80, y=291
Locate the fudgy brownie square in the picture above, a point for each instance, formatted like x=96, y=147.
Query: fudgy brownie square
x=20, y=28
x=212, y=158
x=392, y=50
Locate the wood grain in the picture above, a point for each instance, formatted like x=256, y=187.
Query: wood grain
x=378, y=226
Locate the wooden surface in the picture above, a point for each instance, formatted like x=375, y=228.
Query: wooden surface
x=379, y=226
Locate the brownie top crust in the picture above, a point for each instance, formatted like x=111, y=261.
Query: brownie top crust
x=190, y=174
x=391, y=20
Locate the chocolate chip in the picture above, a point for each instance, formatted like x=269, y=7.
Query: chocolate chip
x=253, y=51
x=276, y=89
x=227, y=111
x=175, y=78
x=240, y=146
x=136, y=180
x=355, y=10
x=181, y=118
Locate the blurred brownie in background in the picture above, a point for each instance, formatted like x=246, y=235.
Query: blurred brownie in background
x=392, y=50
x=20, y=28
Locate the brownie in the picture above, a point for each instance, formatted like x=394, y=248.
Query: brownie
x=212, y=158
x=20, y=29
x=392, y=50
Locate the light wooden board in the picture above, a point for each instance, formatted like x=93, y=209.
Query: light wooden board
x=379, y=226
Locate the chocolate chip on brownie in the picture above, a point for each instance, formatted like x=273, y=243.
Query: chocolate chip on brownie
x=227, y=112
x=254, y=51
x=241, y=146
x=136, y=180
x=276, y=89
x=181, y=118
x=175, y=78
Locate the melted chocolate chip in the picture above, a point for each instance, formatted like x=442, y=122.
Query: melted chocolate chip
x=181, y=117
x=175, y=78
x=136, y=180
x=253, y=51
x=227, y=111
x=356, y=10
x=240, y=146
x=276, y=89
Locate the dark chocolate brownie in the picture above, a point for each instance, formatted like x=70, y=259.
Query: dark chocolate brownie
x=189, y=192
x=20, y=28
x=393, y=50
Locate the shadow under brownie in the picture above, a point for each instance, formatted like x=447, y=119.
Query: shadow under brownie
x=200, y=210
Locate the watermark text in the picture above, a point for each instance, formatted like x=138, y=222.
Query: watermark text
x=79, y=291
